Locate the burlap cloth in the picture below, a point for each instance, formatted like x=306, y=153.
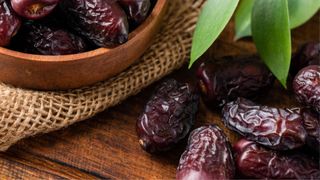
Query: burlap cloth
x=24, y=113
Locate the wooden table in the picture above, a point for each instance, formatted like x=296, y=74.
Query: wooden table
x=106, y=146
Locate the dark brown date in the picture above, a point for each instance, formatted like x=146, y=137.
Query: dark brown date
x=231, y=77
x=208, y=156
x=37, y=38
x=254, y=161
x=168, y=116
x=312, y=125
x=101, y=21
x=308, y=54
x=306, y=86
x=9, y=23
x=34, y=9
x=137, y=10
x=276, y=128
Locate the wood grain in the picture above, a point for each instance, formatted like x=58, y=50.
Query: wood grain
x=17, y=165
x=106, y=146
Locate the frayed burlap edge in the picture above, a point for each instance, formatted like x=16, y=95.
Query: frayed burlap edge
x=24, y=113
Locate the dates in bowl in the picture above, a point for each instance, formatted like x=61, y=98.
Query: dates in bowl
x=76, y=45
x=102, y=23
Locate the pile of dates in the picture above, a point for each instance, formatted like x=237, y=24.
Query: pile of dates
x=58, y=27
x=276, y=143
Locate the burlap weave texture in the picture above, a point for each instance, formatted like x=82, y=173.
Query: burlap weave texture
x=24, y=113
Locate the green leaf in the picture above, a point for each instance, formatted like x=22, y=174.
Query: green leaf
x=243, y=19
x=301, y=11
x=214, y=17
x=271, y=34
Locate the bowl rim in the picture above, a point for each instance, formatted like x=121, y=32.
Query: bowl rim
x=88, y=54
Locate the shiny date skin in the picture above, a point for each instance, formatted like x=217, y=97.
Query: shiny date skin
x=137, y=10
x=276, y=128
x=9, y=23
x=311, y=122
x=308, y=54
x=34, y=9
x=228, y=78
x=255, y=161
x=306, y=86
x=103, y=22
x=38, y=38
x=208, y=156
x=168, y=116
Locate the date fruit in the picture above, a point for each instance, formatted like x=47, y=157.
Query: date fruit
x=254, y=161
x=168, y=116
x=42, y=39
x=137, y=10
x=9, y=23
x=101, y=21
x=312, y=125
x=231, y=77
x=306, y=86
x=276, y=128
x=34, y=9
x=208, y=156
x=308, y=54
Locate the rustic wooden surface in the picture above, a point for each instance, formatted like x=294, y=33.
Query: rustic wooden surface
x=106, y=146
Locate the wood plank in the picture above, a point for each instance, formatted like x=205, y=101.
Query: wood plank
x=106, y=146
x=13, y=170
x=24, y=165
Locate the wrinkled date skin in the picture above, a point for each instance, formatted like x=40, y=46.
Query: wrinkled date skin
x=137, y=10
x=306, y=86
x=34, y=9
x=208, y=156
x=41, y=39
x=101, y=21
x=254, y=161
x=168, y=116
x=312, y=125
x=9, y=23
x=231, y=77
x=276, y=128
x=308, y=54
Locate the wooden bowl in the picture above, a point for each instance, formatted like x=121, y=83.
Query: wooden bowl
x=77, y=70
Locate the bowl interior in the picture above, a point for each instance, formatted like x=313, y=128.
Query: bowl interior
x=88, y=54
